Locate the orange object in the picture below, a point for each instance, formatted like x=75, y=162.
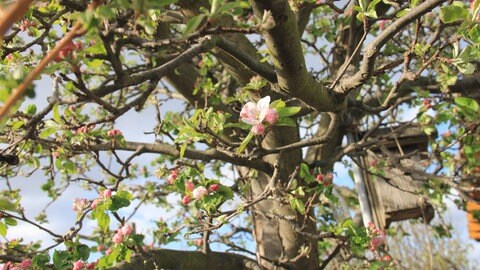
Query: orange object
x=473, y=223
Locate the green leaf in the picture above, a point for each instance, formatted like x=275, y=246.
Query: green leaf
x=304, y=170
x=465, y=68
x=124, y=194
x=287, y=111
x=7, y=205
x=10, y=221
x=298, y=205
x=56, y=114
x=40, y=260
x=182, y=149
x=453, y=13
x=286, y=121
x=468, y=103
x=277, y=104
x=18, y=124
x=474, y=34
x=62, y=259
x=3, y=229
x=94, y=63
x=403, y=12
x=47, y=132
x=31, y=109
x=69, y=166
x=245, y=142
x=82, y=252
x=118, y=202
x=215, y=6
x=193, y=24
x=226, y=192
x=103, y=220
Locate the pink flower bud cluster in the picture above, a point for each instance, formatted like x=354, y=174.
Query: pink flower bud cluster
x=258, y=114
x=378, y=237
x=67, y=51
x=382, y=24
x=107, y=193
x=113, y=133
x=326, y=179
x=121, y=233
x=26, y=24
x=79, y=204
x=79, y=265
x=84, y=129
x=172, y=177
x=197, y=192
x=23, y=265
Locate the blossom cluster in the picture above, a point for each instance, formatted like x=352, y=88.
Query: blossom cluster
x=191, y=191
x=326, y=179
x=258, y=115
x=107, y=193
x=23, y=265
x=378, y=237
x=80, y=265
x=67, y=50
x=197, y=192
x=121, y=233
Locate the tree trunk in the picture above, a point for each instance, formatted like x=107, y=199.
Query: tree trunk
x=276, y=225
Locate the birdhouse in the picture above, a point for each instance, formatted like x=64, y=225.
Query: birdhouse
x=397, y=196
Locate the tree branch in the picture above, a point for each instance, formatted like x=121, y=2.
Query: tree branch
x=284, y=46
x=188, y=260
x=167, y=149
x=373, y=48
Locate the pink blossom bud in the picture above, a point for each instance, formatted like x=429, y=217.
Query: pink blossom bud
x=113, y=132
x=78, y=265
x=82, y=129
x=10, y=57
x=94, y=204
x=108, y=251
x=447, y=134
x=213, y=187
x=7, y=266
x=100, y=248
x=172, y=177
x=258, y=129
x=199, y=242
x=199, y=193
x=91, y=266
x=328, y=179
x=382, y=24
x=55, y=154
x=186, y=199
x=271, y=116
x=107, y=193
x=25, y=264
x=320, y=178
x=386, y=258
x=118, y=237
x=127, y=229
x=189, y=186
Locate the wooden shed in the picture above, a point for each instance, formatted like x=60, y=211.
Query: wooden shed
x=397, y=196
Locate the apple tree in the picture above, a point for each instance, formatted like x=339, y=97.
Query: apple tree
x=245, y=108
